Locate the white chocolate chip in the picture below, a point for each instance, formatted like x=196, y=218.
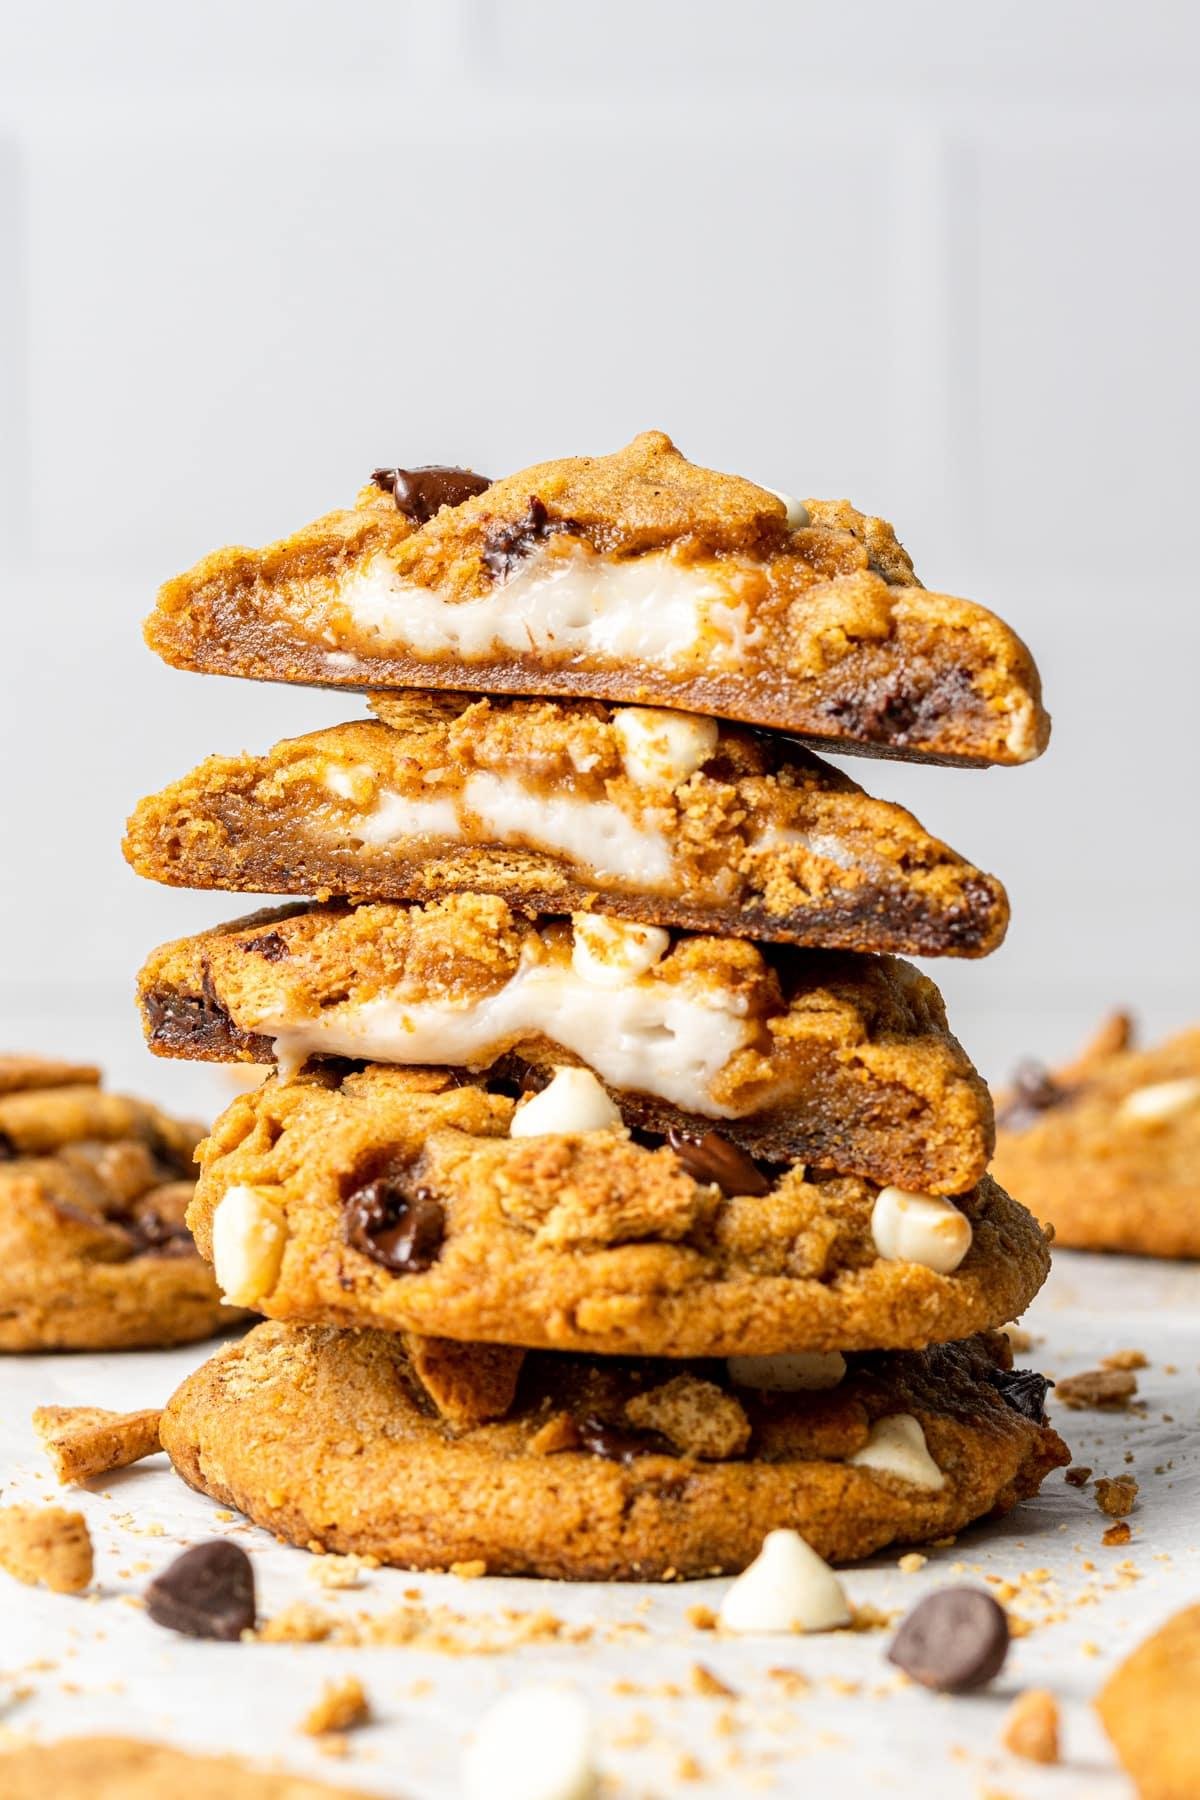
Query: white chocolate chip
x=896, y=1446
x=660, y=747
x=573, y=1100
x=920, y=1228
x=797, y=513
x=789, y=1373
x=611, y=953
x=248, y=1235
x=355, y=783
x=535, y=1744
x=786, y=1588
x=1161, y=1101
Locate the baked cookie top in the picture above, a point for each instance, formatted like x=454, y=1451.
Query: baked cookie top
x=609, y=1469
x=636, y=576
x=94, y=1249
x=416, y=1199
x=118, y=1768
x=1148, y=1708
x=1107, y=1149
x=842, y=1061
x=557, y=805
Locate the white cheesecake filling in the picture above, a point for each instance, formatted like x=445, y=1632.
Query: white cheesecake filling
x=647, y=609
x=650, y=1036
x=596, y=835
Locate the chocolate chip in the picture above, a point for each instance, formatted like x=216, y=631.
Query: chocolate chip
x=8, y=1150
x=395, y=1225
x=713, y=1158
x=1022, y=1389
x=954, y=1640
x=270, y=945
x=150, y=1231
x=207, y=1592
x=420, y=493
x=508, y=544
x=1034, y=1091
x=617, y=1444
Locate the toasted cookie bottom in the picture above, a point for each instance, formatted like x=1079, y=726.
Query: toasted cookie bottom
x=330, y=1438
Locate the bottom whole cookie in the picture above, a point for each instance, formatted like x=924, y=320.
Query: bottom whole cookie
x=425, y=1453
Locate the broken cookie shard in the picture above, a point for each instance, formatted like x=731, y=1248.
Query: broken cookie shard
x=318, y=1436
x=635, y=576
x=562, y=805
x=840, y=1061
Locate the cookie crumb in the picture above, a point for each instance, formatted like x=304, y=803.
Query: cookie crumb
x=1116, y=1495
x=85, y=1441
x=342, y=1705
x=558, y=1433
x=469, y=1571
x=1101, y=1390
x=1125, y=1359
x=332, y=1571
x=687, y=1768
x=701, y=1618
x=911, y=1562
x=1030, y=1727
x=46, y=1545
x=1019, y=1339
x=1117, y=1534
x=705, y=1682
x=1077, y=1477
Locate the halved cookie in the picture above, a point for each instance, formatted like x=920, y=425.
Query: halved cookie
x=635, y=577
x=1107, y=1150
x=562, y=805
x=608, y=1470
x=397, y=1198
x=94, y=1251
x=842, y=1061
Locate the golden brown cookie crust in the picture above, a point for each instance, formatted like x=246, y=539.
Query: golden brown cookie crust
x=589, y=1242
x=1148, y=1708
x=845, y=645
x=267, y=1426
x=116, y=1768
x=1084, y=1157
x=846, y=1062
x=94, y=1253
x=764, y=839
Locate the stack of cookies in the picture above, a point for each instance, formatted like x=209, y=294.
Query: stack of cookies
x=618, y=1196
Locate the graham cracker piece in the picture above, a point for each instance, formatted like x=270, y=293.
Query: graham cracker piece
x=468, y=1383
x=85, y=1441
x=47, y=1546
x=698, y=1417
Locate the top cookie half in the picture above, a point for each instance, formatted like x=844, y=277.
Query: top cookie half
x=635, y=577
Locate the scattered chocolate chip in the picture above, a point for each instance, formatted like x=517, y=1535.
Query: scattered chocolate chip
x=395, y=1225
x=1024, y=1390
x=713, y=1158
x=1034, y=1091
x=270, y=945
x=508, y=544
x=8, y=1149
x=954, y=1640
x=422, y=492
x=208, y=1592
x=1077, y=1476
x=618, y=1444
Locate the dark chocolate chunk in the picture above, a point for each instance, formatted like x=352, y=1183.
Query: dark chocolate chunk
x=1024, y=1390
x=713, y=1158
x=207, y=1592
x=954, y=1640
x=508, y=544
x=8, y=1149
x=270, y=945
x=616, y=1443
x=396, y=1225
x=420, y=493
x=151, y=1231
x=1034, y=1091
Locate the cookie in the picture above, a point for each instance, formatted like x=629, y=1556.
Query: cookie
x=610, y=1470
x=1107, y=1150
x=94, y=1250
x=562, y=806
x=397, y=1198
x=632, y=577
x=841, y=1061
x=116, y=1768
x=1148, y=1708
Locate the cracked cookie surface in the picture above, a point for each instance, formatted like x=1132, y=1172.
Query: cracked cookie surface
x=632, y=577
x=1107, y=1149
x=94, y=1251
x=842, y=1061
x=597, y=1470
x=396, y=1198
x=562, y=805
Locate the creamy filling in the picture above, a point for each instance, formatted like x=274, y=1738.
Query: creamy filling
x=649, y=1036
x=597, y=835
x=647, y=609
x=817, y=843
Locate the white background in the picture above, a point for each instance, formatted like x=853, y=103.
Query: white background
x=939, y=258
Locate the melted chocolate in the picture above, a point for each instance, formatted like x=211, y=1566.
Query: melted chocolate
x=1034, y=1091
x=713, y=1158
x=8, y=1149
x=420, y=493
x=396, y=1225
x=1024, y=1390
x=270, y=945
x=616, y=1443
x=506, y=545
